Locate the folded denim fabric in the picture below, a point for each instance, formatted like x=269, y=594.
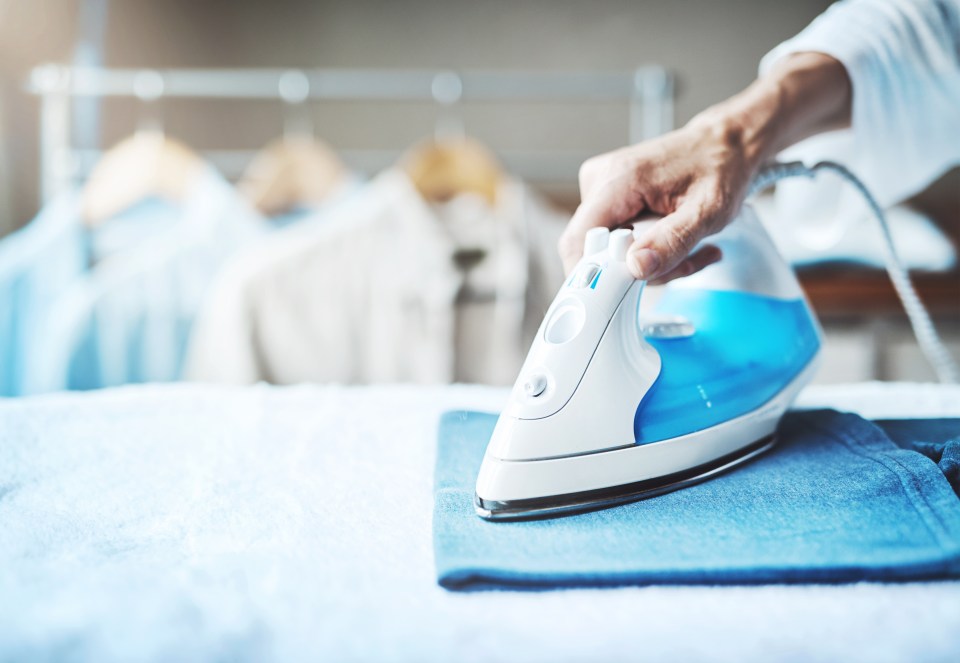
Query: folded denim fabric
x=836, y=500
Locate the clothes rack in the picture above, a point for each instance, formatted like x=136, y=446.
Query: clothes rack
x=647, y=93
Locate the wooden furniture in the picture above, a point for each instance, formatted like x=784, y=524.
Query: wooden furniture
x=846, y=292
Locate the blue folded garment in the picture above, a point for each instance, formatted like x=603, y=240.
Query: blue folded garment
x=837, y=500
x=937, y=439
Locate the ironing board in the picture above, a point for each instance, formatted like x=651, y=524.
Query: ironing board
x=195, y=523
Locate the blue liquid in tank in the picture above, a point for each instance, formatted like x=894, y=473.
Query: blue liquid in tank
x=746, y=348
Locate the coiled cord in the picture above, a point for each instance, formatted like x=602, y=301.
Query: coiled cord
x=924, y=330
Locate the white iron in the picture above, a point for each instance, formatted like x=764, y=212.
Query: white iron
x=613, y=405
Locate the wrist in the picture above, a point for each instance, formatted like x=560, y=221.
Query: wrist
x=804, y=94
x=744, y=126
x=750, y=121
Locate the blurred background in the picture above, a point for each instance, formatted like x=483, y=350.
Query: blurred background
x=633, y=69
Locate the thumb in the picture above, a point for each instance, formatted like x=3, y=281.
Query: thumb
x=668, y=242
x=608, y=207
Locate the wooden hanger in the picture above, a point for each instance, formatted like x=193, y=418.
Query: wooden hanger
x=291, y=172
x=144, y=165
x=442, y=169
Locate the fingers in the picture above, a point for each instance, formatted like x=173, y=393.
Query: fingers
x=695, y=175
x=662, y=249
x=589, y=175
x=610, y=206
x=707, y=255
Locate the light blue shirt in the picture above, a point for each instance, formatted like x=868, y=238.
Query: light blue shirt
x=41, y=261
x=85, y=308
x=128, y=320
x=35, y=264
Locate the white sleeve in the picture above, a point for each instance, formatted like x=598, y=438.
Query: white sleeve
x=903, y=59
x=221, y=348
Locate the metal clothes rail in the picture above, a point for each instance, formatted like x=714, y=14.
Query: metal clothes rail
x=647, y=92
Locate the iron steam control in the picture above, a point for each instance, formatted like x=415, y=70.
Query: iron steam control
x=620, y=241
x=595, y=241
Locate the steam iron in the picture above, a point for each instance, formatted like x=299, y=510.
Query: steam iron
x=615, y=403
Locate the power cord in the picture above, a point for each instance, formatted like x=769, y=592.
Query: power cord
x=926, y=334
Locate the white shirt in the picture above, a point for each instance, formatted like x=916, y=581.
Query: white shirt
x=374, y=294
x=903, y=60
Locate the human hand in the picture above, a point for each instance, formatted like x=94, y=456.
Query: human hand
x=695, y=177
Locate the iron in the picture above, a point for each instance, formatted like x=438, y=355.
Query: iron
x=625, y=395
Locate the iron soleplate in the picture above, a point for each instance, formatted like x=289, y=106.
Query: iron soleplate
x=602, y=498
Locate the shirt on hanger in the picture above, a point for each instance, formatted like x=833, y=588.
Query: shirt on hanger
x=391, y=289
x=308, y=215
x=128, y=319
x=39, y=262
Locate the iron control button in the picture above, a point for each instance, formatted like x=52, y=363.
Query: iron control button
x=535, y=385
x=586, y=275
x=565, y=322
x=620, y=241
x=596, y=240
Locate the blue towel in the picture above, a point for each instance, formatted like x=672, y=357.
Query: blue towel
x=837, y=500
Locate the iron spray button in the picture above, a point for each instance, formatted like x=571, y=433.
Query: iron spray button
x=535, y=385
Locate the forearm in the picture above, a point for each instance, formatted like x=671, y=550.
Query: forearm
x=803, y=95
